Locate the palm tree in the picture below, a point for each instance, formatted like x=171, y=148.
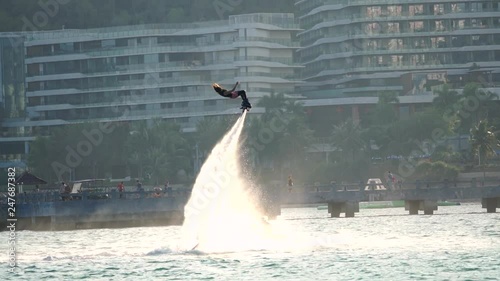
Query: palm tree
x=278, y=147
x=157, y=164
x=210, y=130
x=274, y=103
x=348, y=137
x=445, y=97
x=388, y=97
x=483, y=141
x=295, y=138
x=384, y=113
x=473, y=90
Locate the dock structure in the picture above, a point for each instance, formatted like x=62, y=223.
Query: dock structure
x=113, y=209
x=345, y=198
x=53, y=211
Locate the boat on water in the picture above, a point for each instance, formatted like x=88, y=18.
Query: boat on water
x=390, y=204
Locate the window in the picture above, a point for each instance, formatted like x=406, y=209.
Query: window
x=372, y=28
x=374, y=11
x=210, y=102
x=393, y=27
x=438, y=9
x=33, y=70
x=394, y=10
x=183, y=104
x=182, y=120
x=457, y=24
x=108, y=43
x=416, y=26
x=497, y=55
x=415, y=10
x=122, y=61
x=438, y=42
x=439, y=25
x=166, y=75
x=66, y=47
x=121, y=42
x=458, y=8
x=476, y=7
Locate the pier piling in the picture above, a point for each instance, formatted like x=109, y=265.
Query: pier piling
x=349, y=208
x=491, y=204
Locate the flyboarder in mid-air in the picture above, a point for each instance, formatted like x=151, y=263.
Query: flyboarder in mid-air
x=245, y=104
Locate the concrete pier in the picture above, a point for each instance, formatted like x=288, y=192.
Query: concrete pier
x=48, y=211
x=428, y=206
x=349, y=208
x=417, y=196
x=491, y=204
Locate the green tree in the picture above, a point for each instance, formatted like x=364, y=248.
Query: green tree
x=436, y=171
x=385, y=112
x=348, y=138
x=210, y=130
x=159, y=150
x=483, y=141
x=273, y=103
x=446, y=98
x=280, y=136
x=176, y=15
x=476, y=104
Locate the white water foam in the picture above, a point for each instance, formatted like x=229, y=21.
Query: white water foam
x=222, y=214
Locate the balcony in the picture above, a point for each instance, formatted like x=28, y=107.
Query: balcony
x=130, y=100
x=284, y=60
x=113, y=69
x=130, y=50
x=123, y=31
x=285, y=21
x=132, y=85
x=284, y=42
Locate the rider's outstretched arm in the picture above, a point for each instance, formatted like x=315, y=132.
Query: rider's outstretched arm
x=234, y=88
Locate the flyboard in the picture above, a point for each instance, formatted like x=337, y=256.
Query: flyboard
x=245, y=106
x=195, y=246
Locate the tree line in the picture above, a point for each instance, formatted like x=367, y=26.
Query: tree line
x=17, y=15
x=282, y=141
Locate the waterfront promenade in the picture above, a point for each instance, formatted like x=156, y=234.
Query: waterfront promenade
x=51, y=211
x=418, y=196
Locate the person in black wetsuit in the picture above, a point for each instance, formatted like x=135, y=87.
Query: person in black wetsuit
x=232, y=94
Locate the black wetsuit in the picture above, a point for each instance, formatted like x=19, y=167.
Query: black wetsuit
x=234, y=94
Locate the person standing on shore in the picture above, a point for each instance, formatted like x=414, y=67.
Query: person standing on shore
x=121, y=188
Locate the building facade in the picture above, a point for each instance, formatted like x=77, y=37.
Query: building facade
x=13, y=140
x=153, y=71
x=358, y=48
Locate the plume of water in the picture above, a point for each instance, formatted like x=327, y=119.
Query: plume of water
x=222, y=213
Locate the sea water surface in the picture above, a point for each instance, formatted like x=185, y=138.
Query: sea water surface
x=456, y=243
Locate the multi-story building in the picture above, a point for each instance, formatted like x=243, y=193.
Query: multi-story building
x=13, y=140
x=153, y=71
x=354, y=49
